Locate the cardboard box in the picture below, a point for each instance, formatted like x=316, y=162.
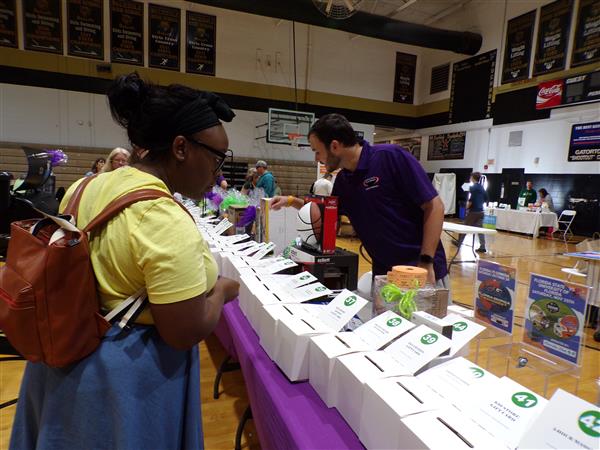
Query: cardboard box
x=370, y=336
x=351, y=373
x=387, y=401
x=443, y=430
x=452, y=379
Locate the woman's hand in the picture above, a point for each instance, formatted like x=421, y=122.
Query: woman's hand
x=230, y=288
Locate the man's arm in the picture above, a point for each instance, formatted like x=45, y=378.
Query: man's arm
x=281, y=201
x=433, y=220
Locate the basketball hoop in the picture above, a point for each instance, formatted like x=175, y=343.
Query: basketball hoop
x=294, y=140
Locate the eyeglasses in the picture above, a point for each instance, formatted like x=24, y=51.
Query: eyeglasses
x=220, y=157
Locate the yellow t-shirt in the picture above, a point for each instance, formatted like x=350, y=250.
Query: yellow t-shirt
x=151, y=243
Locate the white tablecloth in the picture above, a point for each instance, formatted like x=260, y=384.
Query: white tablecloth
x=523, y=221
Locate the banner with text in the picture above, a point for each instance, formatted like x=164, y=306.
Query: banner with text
x=555, y=316
x=43, y=25
x=164, y=25
x=8, y=23
x=85, y=29
x=404, y=80
x=446, y=146
x=517, y=53
x=586, y=49
x=200, y=53
x=585, y=142
x=553, y=37
x=127, y=32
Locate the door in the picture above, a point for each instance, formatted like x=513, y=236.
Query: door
x=512, y=182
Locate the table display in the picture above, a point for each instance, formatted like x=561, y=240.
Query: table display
x=526, y=222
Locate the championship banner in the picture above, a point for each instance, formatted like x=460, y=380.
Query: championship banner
x=8, y=23
x=127, y=32
x=43, y=25
x=446, y=146
x=164, y=25
x=404, y=80
x=586, y=49
x=200, y=50
x=517, y=50
x=553, y=37
x=584, y=144
x=411, y=144
x=85, y=28
x=555, y=316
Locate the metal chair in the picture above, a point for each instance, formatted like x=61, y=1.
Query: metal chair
x=564, y=224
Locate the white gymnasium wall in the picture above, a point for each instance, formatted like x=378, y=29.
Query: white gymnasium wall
x=547, y=140
x=54, y=117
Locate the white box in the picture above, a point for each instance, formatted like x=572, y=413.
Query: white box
x=443, y=430
x=324, y=350
x=452, y=379
x=442, y=326
x=464, y=331
x=386, y=401
x=567, y=419
x=293, y=335
x=267, y=327
x=351, y=373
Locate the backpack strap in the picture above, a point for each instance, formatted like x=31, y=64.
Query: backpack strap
x=72, y=208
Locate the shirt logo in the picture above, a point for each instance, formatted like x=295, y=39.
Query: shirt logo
x=371, y=183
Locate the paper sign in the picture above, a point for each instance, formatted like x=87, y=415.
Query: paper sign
x=235, y=238
x=341, y=309
x=566, y=422
x=298, y=280
x=242, y=245
x=262, y=252
x=382, y=329
x=309, y=292
x=495, y=294
x=452, y=379
x=250, y=250
x=223, y=226
x=554, y=316
x=276, y=266
x=417, y=348
x=463, y=330
x=506, y=411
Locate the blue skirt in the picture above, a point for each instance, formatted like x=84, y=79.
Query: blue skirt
x=133, y=392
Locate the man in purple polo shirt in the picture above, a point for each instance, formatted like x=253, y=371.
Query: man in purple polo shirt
x=387, y=195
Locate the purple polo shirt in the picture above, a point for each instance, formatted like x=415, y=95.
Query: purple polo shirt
x=383, y=199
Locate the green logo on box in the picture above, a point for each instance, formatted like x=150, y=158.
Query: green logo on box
x=305, y=277
x=589, y=422
x=350, y=300
x=524, y=399
x=320, y=289
x=477, y=372
x=394, y=322
x=429, y=338
x=460, y=326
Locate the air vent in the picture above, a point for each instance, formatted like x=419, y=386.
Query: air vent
x=515, y=138
x=439, y=79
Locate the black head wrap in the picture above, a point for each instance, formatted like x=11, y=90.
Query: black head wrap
x=206, y=111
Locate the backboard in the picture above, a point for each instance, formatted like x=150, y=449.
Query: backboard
x=285, y=125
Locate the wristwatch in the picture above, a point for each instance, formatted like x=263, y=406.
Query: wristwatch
x=426, y=259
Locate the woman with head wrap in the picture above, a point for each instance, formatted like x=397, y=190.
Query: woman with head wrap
x=141, y=387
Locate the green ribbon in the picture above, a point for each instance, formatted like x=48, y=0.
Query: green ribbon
x=405, y=299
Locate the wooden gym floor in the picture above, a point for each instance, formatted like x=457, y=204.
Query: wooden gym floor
x=220, y=417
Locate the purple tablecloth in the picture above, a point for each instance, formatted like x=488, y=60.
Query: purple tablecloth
x=224, y=337
x=286, y=415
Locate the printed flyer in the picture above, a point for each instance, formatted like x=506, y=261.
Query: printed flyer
x=554, y=316
x=494, y=295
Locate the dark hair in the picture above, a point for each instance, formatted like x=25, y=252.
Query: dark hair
x=94, y=168
x=334, y=127
x=476, y=176
x=543, y=191
x=154, y=115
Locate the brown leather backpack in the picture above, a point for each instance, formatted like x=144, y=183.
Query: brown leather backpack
x=49, y=307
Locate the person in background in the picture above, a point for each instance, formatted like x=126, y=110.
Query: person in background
x=118, y=158
x=546, y=198
x=96, y=167
x=221, y=181
x=323, y=186
x=386, y=194
x=251, y=180
x=477, y=197
x=266, y=179
x=527, y=196
x=140, y=389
